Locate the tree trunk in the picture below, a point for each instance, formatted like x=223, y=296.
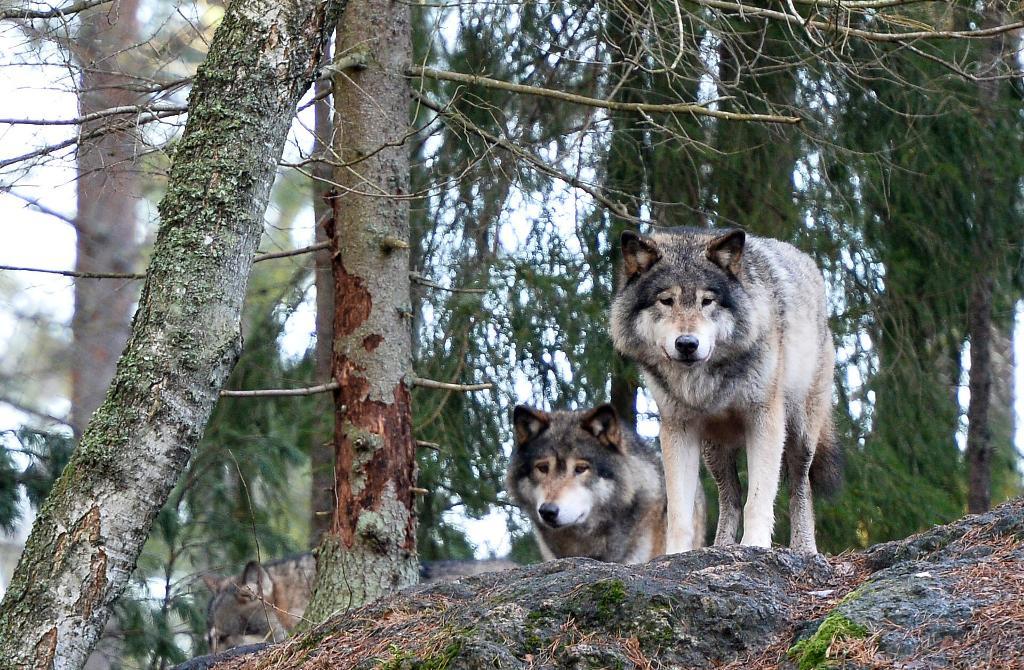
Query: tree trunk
x=321, y=460
x=105, y=222
x=371, y=548
x=185, y=336
x=979, y=309
x=979, y=436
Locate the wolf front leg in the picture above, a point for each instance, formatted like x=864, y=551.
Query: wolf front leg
x=766, y=433
x=721, y=462
x=680, y=452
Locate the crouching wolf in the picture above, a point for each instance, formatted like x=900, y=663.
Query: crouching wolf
x=732, y=335
x=591, y=486
x=266, y=601
x=262, y=604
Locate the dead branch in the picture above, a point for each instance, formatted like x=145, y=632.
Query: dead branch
x=613, y=105
x=142, y=275
x=745, y=10
x=423, y=281
x=452, y=115
x=52, y=13
x=446, y=386
x=273, y=393
x=95, y=116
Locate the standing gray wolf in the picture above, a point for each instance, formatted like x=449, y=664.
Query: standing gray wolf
x=266, y=601
x=591, y=486
x=732, y=335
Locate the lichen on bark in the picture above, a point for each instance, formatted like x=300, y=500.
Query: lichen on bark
x=185, y=335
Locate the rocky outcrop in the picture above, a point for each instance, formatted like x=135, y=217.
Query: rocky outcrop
x=949, y=597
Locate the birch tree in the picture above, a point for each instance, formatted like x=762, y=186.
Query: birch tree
x=185, y=336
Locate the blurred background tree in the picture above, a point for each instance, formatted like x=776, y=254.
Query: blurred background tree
x=904, y=180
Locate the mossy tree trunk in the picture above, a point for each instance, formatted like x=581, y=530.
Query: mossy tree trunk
x=371, y=546
x=185, y=336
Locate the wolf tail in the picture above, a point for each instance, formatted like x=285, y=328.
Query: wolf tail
x=827, y=466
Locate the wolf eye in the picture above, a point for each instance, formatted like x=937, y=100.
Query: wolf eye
x=542, y=468
x=706, y=300
x=582, y=467
x=665, y=301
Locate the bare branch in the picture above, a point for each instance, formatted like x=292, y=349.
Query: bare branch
x=76, y=274
x=274, y=393
x=455, y=116
x=292, y=252
x=423, y=281
x=118, y=125
x=142, y=275
x=745, y=10
x=95, y=116
x=39, y=414
x=614, y=105
x=446, y=386
x=52, y=13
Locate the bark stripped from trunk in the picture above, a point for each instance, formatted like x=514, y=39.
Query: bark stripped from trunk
x=371, y=547
x=105, y=223
x=185, y=336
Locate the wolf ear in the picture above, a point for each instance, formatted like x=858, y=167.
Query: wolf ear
x=255, y=578
x=726, y=251
x=528, y=423
x=638, y=253
x=603, y=423
x=212, y=582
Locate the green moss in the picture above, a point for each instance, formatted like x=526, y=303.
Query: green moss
x=405, y=660
x=606, y=597
x=812, y=653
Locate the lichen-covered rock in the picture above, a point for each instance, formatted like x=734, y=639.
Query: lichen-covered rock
x=952, y=596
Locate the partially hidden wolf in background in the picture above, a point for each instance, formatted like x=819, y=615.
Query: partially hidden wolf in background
x=265, y=602
x=262, y=604
x=732, y=335
x=591, y=486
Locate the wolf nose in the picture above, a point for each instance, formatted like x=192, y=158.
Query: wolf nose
x=687, y=344
x=549, y=513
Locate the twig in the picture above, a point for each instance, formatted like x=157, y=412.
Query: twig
x=51, y=13
x=423, y=281
x=446, y=386
x=451, y=115
x=433, y=446
x=291, y=252
x=271, y=393
x=613, y=105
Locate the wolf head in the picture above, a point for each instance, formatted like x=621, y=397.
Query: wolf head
x=564, y=465
x=677, y=295
x=241, y=610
